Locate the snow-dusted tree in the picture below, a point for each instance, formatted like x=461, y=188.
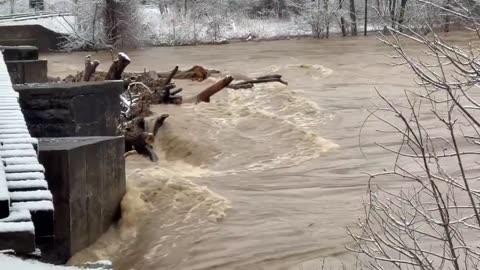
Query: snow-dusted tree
x=320, y=15
x=353, y=18
x=432, y=222
x=104, y=23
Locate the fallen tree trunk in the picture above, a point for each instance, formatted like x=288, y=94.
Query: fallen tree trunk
x=118, y=66
x=90, y=68
x=263, y=79
x=205, y=95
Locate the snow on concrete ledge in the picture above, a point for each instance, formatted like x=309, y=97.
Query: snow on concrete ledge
x=37, y=195
x=24, y=168
x=8, y=227
x=27, y=184
x=22, y=215
x=25, y=176
x=33, y=206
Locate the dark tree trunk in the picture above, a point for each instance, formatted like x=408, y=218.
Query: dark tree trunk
x=353, y=18
x=327, y=22
x=37, y=4
x=342, y=21
x=282, y=9
x=111, y=21
x=401, y=17
x=446, y=27
x=393, y=7
x=366, y=19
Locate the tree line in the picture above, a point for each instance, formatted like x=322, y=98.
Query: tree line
x=122, y=23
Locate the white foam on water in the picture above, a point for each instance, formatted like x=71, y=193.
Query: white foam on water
x=265, y=117
x=165, y=194
x=315, y=71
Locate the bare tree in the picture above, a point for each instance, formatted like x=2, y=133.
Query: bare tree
x=365, y=23
x=432, y=223
x=353, y=18
x=342, y=19
x=401, y=16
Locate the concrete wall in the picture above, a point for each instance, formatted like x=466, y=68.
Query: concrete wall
x=71, y=109
x=87, y=178
x=28, y=71
x=32, y=35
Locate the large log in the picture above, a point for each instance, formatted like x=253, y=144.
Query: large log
x=118, y=66
x=205, y=95
x=262, y=79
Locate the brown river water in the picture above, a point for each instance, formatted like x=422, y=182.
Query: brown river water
x=267, y=178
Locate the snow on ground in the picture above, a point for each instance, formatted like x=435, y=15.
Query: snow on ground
x=59, y=24
x=22, y=6
x=13, y=263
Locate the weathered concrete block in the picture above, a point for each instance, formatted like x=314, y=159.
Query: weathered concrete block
x=27, y=71
x=71, y=109
x=15, y=53
x=86, y=176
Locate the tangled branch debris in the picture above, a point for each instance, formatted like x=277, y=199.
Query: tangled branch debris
x=143, y=89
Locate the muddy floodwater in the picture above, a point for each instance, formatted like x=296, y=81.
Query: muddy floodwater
x=267, y=178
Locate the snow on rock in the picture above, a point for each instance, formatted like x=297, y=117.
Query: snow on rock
x=33, y=206
x=37, y=195
x=25, y=176
x=27, y=184
x=24, y=168
x=7, y=227
x=21, y=215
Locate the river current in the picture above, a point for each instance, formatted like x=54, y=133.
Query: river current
x=266, y=178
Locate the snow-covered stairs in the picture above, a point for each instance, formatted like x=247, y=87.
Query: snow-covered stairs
x=26, y=206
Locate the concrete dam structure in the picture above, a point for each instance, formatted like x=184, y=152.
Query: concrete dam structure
x=62, y=170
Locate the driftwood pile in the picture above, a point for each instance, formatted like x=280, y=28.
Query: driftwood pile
x=141, y=90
